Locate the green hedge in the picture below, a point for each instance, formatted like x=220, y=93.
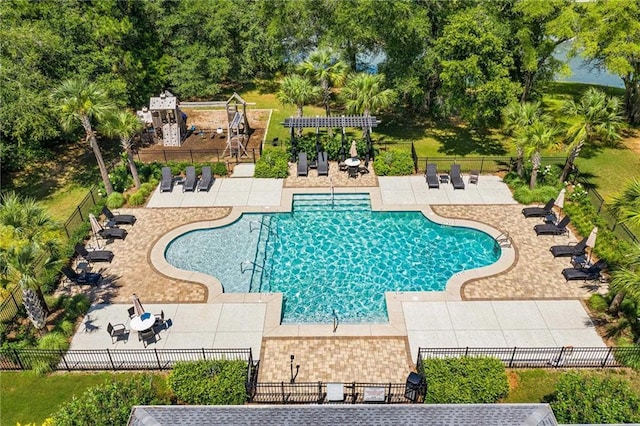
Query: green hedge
x=394, y=163
x=465, y=380
x=273, y=163
x=582, y=399
x=217, y=382
x=111, y=403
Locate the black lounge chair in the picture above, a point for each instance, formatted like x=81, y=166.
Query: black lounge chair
x=95, y=255
x=553, y=229
x=166, y=185
x=83, y=278
x=569, y=250
x=431, y=175
x=205, y=181
x=303, y=166
x=323, y=164
x=118, y=219
x=456, y=177
x=112, y=233
x=591, y=273
x=189, y=183
x=539, y=211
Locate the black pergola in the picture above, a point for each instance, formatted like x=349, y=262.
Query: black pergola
x=358, y=121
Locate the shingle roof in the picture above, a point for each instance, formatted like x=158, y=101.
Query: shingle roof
x=312, y=415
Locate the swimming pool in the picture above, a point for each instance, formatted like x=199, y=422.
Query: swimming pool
x=333, y=255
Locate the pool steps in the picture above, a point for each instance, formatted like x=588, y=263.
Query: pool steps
x=338, y=202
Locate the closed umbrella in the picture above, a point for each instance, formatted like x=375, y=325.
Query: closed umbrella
x=353, y=151
x=137, y=306
x=591, y=241
x=560, y=200
x=96, y=228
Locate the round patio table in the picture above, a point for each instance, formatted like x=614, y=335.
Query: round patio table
x=142, y=322
x=352, y=162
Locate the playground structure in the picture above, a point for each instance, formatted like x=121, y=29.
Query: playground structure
x=164, y=120
x=238, y=129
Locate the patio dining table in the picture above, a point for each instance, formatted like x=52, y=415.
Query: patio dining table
x=142, y=322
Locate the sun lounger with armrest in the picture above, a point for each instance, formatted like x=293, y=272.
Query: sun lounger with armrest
x=456, y=177
x=190, y=180
x=95, y=255
x=569, y=250
x=166, y=185
x=539, y=211
x=431, y=176
x=205, y=181
x=118, y=219
x=323, y=164
x=591, y=273
x=303, y=166
x=553, y=229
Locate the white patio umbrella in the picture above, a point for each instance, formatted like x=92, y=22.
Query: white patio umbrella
x=591, y=241
x=137, y=306
x=560, y=200
x=353, y=151
x=95, y=228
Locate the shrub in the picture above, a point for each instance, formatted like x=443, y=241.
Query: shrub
x=394, y=163
x=219, y=169
x=115, y=200
x=582, y=399
x=541, y=194
x=110, y=403
x=47, y=361
x=218, y=382
x=137, y=198
x=465, y=380
x=272, y=164
x=598, y=303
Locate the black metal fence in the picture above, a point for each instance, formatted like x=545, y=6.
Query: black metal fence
x=199, y=155
x=352, y=393
x=81, y=213
x=11, y=305
x=558, y=357
x=481, y=164
x=117, y=359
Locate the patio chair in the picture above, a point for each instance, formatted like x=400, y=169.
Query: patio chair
x=95, y=255
x=473, y=176
x=364, y=169
x=591, y=273
x=82, y=278
x=456, y=177
x=205, y=180
x=431, y=176
x=569, y=250
x=118, y=219
x=553, y=229
x=189, y=183
x=166, y=185
x=159, y=319
x=303, y=166
x=353, y=171
x=117, y=331
x=539, y=211
x=148, y=335
x=131, y=311
x=323, y=164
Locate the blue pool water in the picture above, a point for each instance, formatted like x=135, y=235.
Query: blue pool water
x=330, y=256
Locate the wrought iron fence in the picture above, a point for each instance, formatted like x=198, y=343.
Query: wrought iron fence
x=481, y=164
x=557, y=357
x=81, y=213
x=352, y=393
x=199, y=155
x=11, y=305
x=118, y=359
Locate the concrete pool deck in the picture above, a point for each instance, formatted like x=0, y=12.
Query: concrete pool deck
x=531, y=275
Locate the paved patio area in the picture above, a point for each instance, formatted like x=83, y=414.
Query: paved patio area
x=199, y=319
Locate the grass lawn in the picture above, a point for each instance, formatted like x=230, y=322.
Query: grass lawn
x=528, y=386
x=27, y=398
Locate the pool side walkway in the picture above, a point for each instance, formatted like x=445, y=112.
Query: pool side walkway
x=529, y=284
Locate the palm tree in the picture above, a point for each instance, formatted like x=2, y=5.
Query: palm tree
x=364, y=93
x=80, y=100
x=626, y=206
x=124, y=125
x=537, y=137
x=626, y=282
x=299, y=91
x=595, y=118
x=517, y=116
x=323, y=68
x=28, y=249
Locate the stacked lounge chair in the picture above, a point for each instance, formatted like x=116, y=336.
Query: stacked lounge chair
x=431, y=175
x=569, y=250
x=190, y=180
x=559, y=228
x=205, y=180
x=456, y=177
x=591, y=273
x=539, y=211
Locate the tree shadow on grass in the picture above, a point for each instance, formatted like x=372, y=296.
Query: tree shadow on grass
x=458, y=140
